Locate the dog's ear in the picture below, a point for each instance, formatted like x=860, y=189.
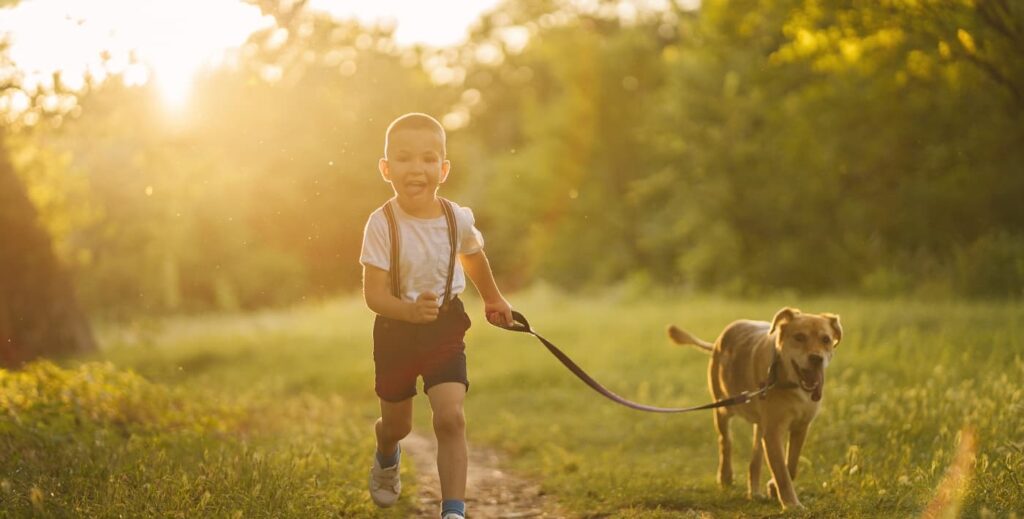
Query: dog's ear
x=782, y=317
x=833, y=319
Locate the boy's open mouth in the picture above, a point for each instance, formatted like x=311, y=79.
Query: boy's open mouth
x=415, y=187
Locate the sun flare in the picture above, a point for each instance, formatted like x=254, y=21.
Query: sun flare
x=164, y=41
x=170, y=42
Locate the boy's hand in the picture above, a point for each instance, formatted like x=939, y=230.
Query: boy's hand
x=425, y=309
x=499, y=312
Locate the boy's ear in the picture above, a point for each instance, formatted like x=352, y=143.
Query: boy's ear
x=382, y=165
x=446, y=167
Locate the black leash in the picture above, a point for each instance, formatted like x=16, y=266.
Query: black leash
x=520, y=324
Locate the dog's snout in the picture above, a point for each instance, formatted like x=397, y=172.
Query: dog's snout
x=816, y=360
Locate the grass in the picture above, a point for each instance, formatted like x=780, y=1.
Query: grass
x=908, y=377
x=269, y=415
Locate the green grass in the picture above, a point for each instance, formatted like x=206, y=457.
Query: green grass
x=269, y=415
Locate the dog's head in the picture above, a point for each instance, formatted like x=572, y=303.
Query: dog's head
x=806, y=343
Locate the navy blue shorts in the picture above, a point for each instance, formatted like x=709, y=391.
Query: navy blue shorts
x=404, y=351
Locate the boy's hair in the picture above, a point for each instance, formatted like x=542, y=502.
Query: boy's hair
x=415, y=121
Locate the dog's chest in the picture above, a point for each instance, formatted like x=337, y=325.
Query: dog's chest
x=791, y=405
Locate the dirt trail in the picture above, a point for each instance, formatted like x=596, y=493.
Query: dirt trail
x=492, y=492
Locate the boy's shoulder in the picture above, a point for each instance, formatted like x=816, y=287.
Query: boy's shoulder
x=376, y=219
x=378, y=212
x=463, y=214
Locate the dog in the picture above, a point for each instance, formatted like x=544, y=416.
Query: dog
x=794, y=349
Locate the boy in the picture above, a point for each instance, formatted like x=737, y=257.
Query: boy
x=411, y=281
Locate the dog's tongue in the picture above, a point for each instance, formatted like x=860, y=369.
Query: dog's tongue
x=820, y=376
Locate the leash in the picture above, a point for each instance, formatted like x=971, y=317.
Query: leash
x=520, y=324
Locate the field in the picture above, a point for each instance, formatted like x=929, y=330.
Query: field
x=269, y=414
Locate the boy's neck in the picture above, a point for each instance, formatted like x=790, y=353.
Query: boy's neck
x=427, y=209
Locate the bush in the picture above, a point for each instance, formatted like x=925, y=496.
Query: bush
x=992, y=266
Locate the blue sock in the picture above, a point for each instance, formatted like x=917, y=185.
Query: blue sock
x=453, y=505
x=389, y=461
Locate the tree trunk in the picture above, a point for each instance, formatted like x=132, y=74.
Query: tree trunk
x=38, y=312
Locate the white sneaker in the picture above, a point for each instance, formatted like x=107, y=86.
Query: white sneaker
x=385, y=484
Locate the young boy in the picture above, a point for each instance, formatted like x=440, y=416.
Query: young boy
x=411, y=279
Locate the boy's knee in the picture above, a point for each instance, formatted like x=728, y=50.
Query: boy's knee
x=449, y=422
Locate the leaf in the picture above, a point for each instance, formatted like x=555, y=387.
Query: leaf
x=966, y=40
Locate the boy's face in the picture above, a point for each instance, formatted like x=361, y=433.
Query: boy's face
x=415, y=165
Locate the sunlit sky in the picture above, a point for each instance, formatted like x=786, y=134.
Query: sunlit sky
x=176, y=38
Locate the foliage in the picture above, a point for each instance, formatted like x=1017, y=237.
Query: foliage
x=743, y=147
x=99, y=441
x=783, y=144
x=228, y=206
x=59, y=401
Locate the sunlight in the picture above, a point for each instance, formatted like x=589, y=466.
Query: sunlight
x=172, y=40
x=435, y=24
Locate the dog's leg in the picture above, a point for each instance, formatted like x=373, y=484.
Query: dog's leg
x=754, y=477
x=796, y=442
x=724, y=448
x=774, y=440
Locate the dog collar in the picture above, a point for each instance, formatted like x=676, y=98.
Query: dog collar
x=773, y=375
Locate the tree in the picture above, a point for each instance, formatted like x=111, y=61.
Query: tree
x=39, y=315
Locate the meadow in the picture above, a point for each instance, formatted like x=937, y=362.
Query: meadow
x=269, y=414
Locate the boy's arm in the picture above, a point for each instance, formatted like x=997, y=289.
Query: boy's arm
x=377, y=294
x=496, y=308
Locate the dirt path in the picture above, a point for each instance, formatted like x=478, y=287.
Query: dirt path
x=493, y=492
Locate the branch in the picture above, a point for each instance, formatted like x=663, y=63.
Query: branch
x=997, y=22
x=998, y=76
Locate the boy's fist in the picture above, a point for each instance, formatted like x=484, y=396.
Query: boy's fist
x=499, y=312
x=425, y=309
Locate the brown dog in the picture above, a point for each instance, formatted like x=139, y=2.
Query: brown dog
x=800, y=347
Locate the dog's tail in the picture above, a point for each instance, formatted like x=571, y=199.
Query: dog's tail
x=682, y=337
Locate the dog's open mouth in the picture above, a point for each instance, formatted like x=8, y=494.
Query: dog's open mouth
x=811, y=380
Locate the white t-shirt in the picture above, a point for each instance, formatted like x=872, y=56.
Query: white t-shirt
x=425, y=249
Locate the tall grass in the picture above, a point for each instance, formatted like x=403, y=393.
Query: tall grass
x=247, y=416
x=269, y=415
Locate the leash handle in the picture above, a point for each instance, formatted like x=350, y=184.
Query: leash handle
x=520, y=324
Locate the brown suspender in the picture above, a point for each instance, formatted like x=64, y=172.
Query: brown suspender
x=396, y=248
x=453, y=239
x=396, y=252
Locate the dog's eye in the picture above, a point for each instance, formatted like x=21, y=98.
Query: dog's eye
x=800, y=337
x=825, y=339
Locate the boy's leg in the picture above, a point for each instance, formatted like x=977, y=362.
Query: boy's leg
x=395, y=423
x=446, y=401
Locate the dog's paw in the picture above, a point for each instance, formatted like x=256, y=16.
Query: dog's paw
x=795, y=505
x=773, y=490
